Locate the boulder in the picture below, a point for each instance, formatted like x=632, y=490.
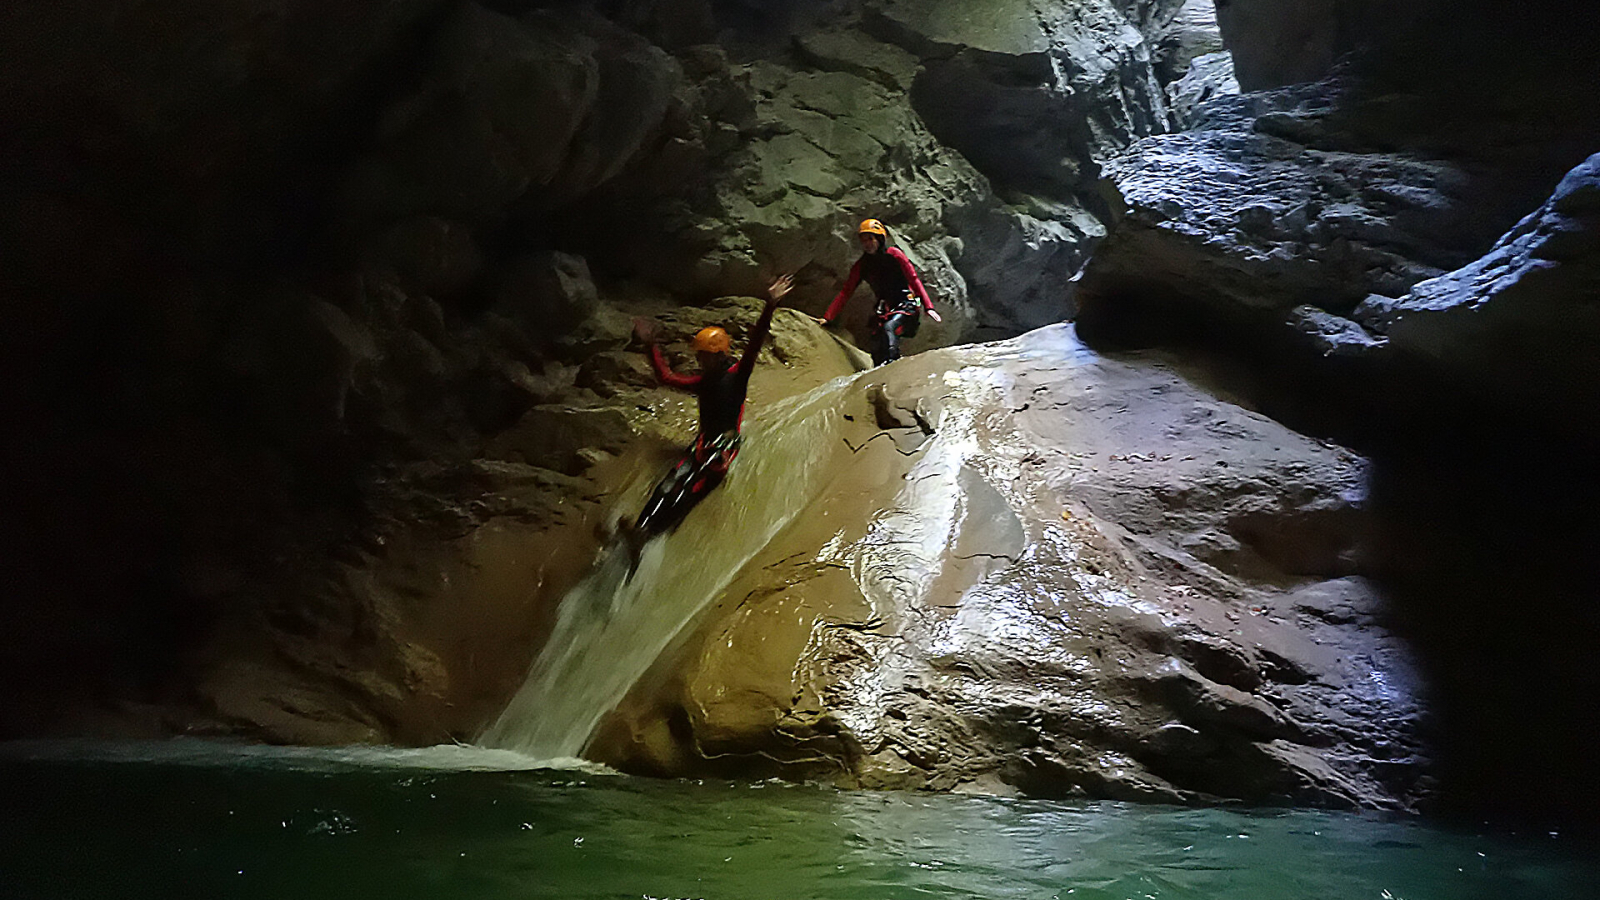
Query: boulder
x=556, y=436
x=547, y=294
x=1018, y=259
x=1031, y=568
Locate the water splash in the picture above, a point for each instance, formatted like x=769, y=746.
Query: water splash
x=609, y=629
x=204, y=753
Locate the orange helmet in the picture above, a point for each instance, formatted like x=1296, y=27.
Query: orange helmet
x=873, y=226
x=712, y=340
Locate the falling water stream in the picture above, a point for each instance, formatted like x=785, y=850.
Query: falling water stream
x=610, y=627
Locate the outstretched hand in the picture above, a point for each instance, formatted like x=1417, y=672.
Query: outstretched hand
x=934, y=315
x=782, y=285
x=646, y=330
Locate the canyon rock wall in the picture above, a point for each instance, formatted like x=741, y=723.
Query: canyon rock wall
x=319, y=367
x=294, y=293
x=1387, y=242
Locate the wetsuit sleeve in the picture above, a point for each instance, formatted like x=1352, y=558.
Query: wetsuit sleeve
x=912, y=277
x=665, y=373
x=758, y=337
x=844, y=292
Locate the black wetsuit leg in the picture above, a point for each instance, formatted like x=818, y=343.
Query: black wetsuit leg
x=662, y=511
x=880, y=347
x=886, y=343
x=701, y=468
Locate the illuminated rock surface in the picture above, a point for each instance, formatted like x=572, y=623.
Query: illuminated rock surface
x=1047, y=571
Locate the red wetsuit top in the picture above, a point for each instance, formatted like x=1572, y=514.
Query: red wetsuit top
x=892, y=279
x=721, y=391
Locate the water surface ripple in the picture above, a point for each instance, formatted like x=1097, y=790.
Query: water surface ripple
x=210, y=821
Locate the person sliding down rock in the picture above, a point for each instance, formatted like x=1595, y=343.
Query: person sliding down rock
x=901, y=296
x=721, y=385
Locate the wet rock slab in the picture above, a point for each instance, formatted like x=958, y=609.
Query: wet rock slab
x=1050, y=572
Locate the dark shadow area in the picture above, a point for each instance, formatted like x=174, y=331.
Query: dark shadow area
x=176, y=431
x=1485, y=540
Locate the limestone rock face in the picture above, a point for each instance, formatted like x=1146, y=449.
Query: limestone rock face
x=1259, y=207
x=1277, y=43
x=1048, y=572
x=297, y=269
x=841, y=133
x=549, y=295
x=1159, y=17
x=841, y=141
x=1208, y=76
x=538, y=111
x=1521, y=324
x=1418, y=152
x=1033, y=92
x=1261, y=227
x=1471, y=78
x=863, y=123
x=1192, y=33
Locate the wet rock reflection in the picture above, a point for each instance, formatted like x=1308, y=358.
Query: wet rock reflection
x=1022, y=604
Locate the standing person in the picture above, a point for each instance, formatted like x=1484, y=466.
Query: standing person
x=721, y=385
x=901, y=296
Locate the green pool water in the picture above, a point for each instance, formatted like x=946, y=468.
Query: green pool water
x=188, y=819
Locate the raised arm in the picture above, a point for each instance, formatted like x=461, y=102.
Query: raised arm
x=763, y=326
x=844, y=293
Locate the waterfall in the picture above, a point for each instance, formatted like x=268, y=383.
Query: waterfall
x=609, y=628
